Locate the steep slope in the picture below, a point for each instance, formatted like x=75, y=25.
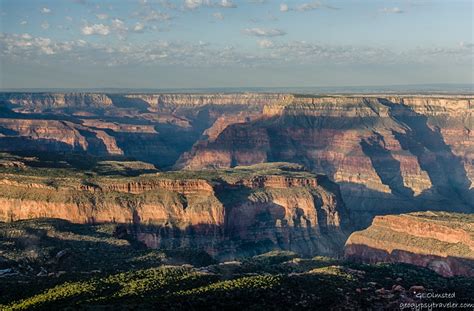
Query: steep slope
x=443, y=242
x=226, y=212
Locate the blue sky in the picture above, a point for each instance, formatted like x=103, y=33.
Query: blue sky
x=224, y=43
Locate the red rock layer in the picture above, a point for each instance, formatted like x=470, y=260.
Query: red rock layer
x=225, y=218
x=439, y=241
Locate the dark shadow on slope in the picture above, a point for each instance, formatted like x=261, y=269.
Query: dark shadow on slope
x=7, y=132
x=166, y=146
x=57, y=115
x=121, y=101
x=254, y=231
x=446, y=171
x=363, y=199
x=162, y=149
x=21, y=143
x=95, y=145
x=386, y=166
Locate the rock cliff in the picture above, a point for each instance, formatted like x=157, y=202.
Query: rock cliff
x=405, y=153
x=241, y=211
x=443, y=242
x=389, y=154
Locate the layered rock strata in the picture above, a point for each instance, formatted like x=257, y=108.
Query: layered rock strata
x=390, y=154
x=227, y=213
x=443, y=242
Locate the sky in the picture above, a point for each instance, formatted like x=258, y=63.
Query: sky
x=231, y=43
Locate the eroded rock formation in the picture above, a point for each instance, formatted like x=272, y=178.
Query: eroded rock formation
x=389, y=155
x=242, y=211
x=443, y=242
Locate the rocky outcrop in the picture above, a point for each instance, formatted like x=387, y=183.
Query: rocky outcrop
x=242, y=211
x=118, y=127
x=55, y=136
x=38, y=102
x=136, y=187
x=443, y=242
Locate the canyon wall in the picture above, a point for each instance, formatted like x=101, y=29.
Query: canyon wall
x=156, y=128
x=228, y=214
x=443, y=242
x=389, y=154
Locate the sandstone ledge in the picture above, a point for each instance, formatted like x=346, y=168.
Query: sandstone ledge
x=441, y=241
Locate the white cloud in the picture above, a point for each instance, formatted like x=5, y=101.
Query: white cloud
x=28, y=47
x=23, y=22
x=194, y=4
x=265, y=43
x=45, y=45
x=68, y=18
x=118, y=26
x=139, y=27
x=95, y=29
x=394, y=10
x=45, y=25
x=262, y=32
x=24, y=48
x=102, y=16
x=284, y=7
x=218, y=15
x=227, y=4
x=45, y=10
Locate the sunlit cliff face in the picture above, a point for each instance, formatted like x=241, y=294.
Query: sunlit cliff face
x=241, y=211
x=437, y=240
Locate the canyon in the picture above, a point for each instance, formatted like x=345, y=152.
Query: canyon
x=241, y=174
x=389, y=154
